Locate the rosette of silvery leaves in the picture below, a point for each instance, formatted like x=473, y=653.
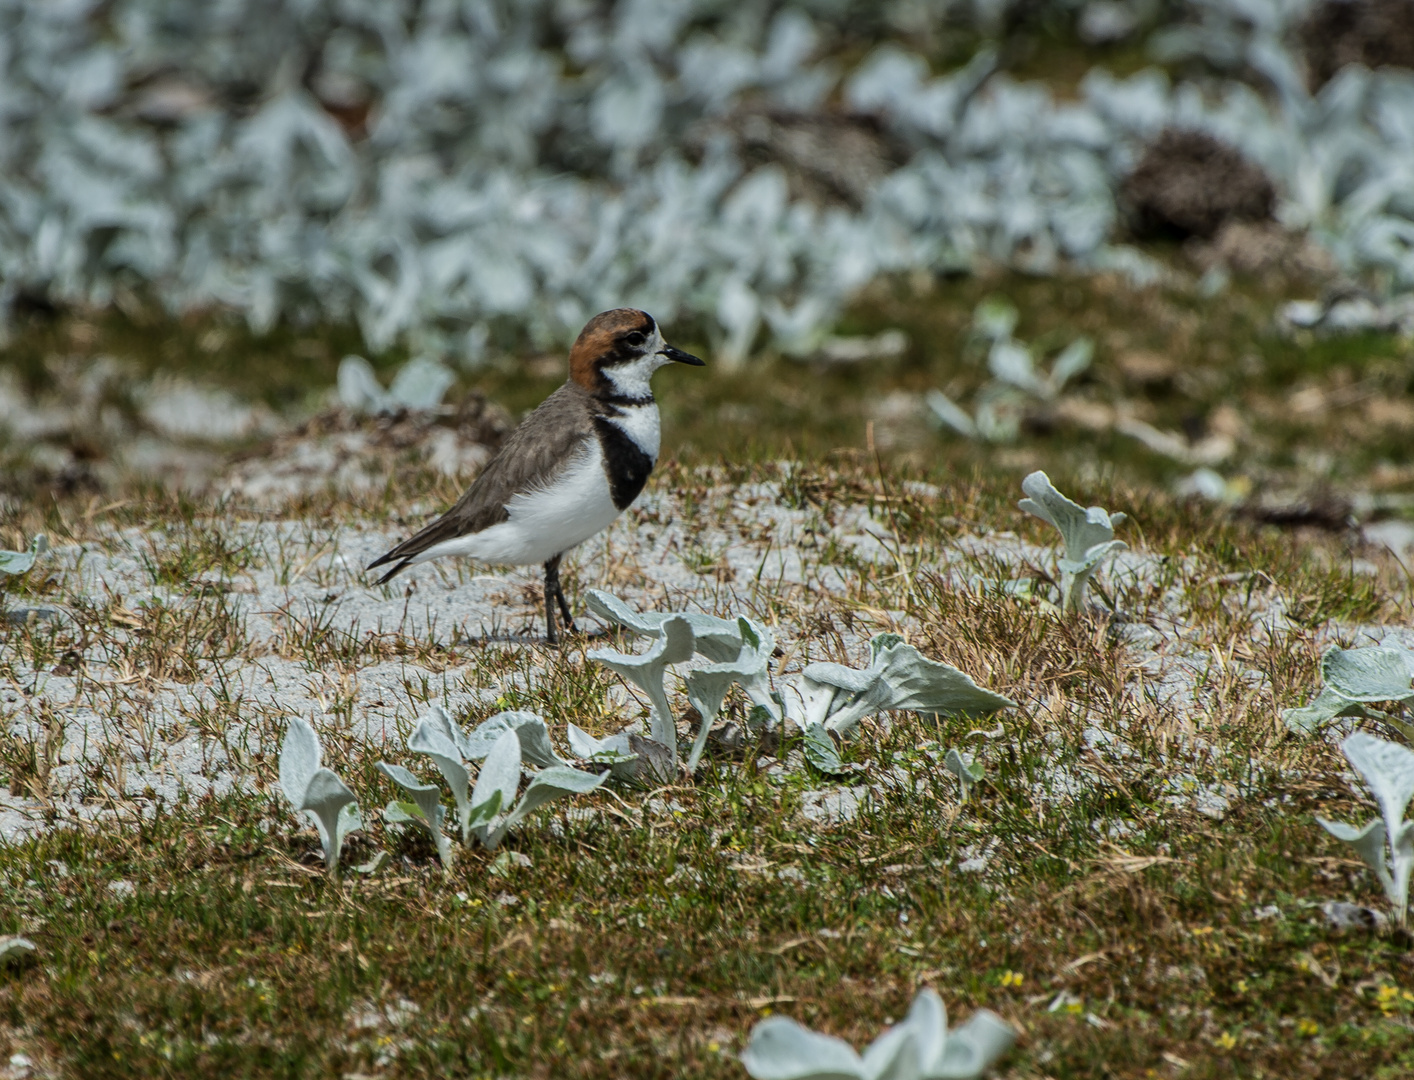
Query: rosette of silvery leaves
x=919, y=1048
x=1088, y=536
x=826, y=701
x=487, y=810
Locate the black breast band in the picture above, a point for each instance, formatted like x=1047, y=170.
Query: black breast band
x=625, y=463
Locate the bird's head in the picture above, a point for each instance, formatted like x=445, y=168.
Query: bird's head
x=618, y=351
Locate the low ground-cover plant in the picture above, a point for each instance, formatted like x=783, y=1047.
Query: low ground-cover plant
x=919, y=1048
x=1353, y=679
x=487, y=812
x=1017, y=380
x=1388, y=769
x=1088, y=535
x=825, y=701
x=419, y=385
x=316, y=791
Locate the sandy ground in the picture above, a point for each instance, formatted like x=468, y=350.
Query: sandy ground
x=131, y=741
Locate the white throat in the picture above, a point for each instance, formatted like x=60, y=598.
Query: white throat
x=633, y=379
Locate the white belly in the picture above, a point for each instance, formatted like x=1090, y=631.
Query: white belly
x=543, y=522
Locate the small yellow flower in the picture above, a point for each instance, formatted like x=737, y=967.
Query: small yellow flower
x=1240, y=986
x=1199, y=931
x=1075, y=1008
x=1225, y=1041
x=1307, y=1028
x=714, y=1047
x=1012, y=978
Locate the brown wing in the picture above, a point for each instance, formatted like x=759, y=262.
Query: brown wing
x=543, y=444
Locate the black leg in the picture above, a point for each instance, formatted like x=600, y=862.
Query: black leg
x=564, y=604
x=552, y=582
x=553, y=588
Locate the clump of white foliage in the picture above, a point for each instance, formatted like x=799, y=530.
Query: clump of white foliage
x=1087, y=534
x=316, y=791
x=825, y=701
x=449, y=173
x=488, y=810
x=418, y=386
x=1017, y=378
x=1388, y=769
x=919, y=1048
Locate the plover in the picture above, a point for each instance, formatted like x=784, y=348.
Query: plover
x=570, y=468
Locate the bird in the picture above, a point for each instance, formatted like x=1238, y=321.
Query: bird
x=569, y=469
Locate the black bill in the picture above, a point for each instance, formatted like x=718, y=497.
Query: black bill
x=681, y=357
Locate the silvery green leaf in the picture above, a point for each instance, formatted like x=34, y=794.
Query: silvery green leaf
x=706, y=689
x=1093, y=557
x=1010, y=361
x=899, y=677
x=973, y=1048
x=530, y=729
x=548, y=784
x=404, y=813
x=1322, y=709
x=17, y=562
x=613, y=610
x=430, y=739
x=613, y=751
x=707, y=686
x=420, y=384
x=428, y=800
x=316, y=790
x=1369, y=844
x=1375, y=673
x=910, y=1047
x=781, y=1049
x=995, y=317
x=844, y=710
x=1402, y=853
x=15, y=949
x=499, y=777
x=918, y=684
x=375, y=865
x=828, y=673
x=821, y=752
x=999, y=417
x=1389, y=771
x=674, y=646
x=717, y=639
x=1073, y=359
x=950, y=413
x=1088, y=535
x=299, y=759
x=359, y=389
x=1081, y=529
x=968, y=773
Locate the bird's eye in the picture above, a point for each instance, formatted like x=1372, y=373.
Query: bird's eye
x=635, y=339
